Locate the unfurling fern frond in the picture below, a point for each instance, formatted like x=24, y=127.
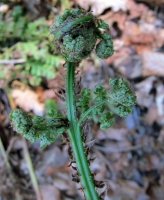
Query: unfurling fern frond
x=120, y=97
x=76, y=32
x=35, y=127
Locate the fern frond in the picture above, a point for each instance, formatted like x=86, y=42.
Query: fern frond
x=35, y=127
x=121, y=97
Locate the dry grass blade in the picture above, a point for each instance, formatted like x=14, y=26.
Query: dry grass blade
x=31, y=171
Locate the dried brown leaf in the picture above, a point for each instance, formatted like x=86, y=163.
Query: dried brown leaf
x=50, y=192
x=26, y=98
x=98, y=6
x=152, y=64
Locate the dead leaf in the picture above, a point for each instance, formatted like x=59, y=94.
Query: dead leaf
x=48, y=94
x=149, y=16
x=152, y=114
x=26, y=98
x=153, y=2
x=112, y=134
x=62, y=182
x=136, y=9
x=4, y=8
x=155, y=192
x=160, y=38
x=98, y=6
x=143, y=92
x=128, y=65
x=161, y=137
x=98, y=166
x=142, y=36
x=50, y=192
x=152, y=64
x=54, y=170
x=125, y=190
x=118, y=18
x=54, y=157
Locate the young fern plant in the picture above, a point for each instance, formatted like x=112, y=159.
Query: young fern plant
x=76, y=33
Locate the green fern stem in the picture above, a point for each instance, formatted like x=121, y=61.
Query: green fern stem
x=76, y=139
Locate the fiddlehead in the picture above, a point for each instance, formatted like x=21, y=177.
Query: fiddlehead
x=76, y=32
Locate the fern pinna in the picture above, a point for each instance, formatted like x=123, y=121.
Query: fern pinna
x=76, y=33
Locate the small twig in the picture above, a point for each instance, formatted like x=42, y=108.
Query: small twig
x=12, y=141
x=31, y=171
x=12, y=62
x=4, y=156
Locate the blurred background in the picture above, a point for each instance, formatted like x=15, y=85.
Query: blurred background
x=130, y=155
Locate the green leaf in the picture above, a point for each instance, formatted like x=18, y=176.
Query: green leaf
x=50, y=108
x=106, y=121
x=121, y=99
x=121, y=96
x=83, y=101
x=100, y=95
x=104, y=48
x=102, y=24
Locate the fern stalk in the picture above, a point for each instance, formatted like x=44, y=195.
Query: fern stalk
x=76, y=139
